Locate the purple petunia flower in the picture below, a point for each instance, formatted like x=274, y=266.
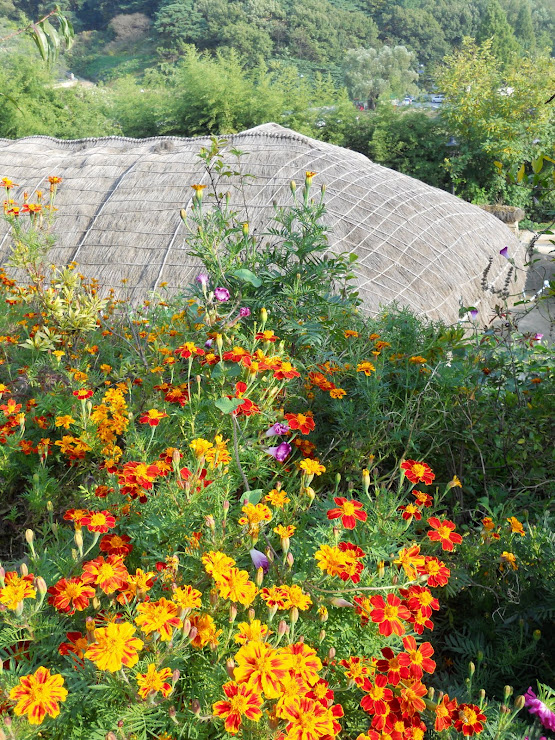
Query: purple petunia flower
x=537, y=707
x=203, y=279
x=221, y=295
x=504, y=252
x=259, y=560
x=244, y=311
x=281, y=452
x=276, y=429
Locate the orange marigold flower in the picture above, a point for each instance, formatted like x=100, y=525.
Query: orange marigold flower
x=116, y=544
x=295, y=597
x=418, y=360
x=262, y=668
x=411, y=698
x=251, y=632
x=236, y=586
x=307, y=720
x=283, y=531
x=303, y=422
x=242, y=701
x=468, y=719
x=418, y=472
x=277, y=498
x=436, y=570
x=420, y=598
x=217, y=564
x=153, y=681
x=286, y=371
x=419, y=657
x=508, y=557
x=366, y=367
x=349, y=511
x=337, y=393
x=70, y=595
x=206, y=630
x=274, y=596
x=350, y=333
x=114, y=647
x=98, y=521
x=388, y=614
x=152, y=417
x=358, y=669
x=352, y=566
x=110, y=574
x=187, y=597
x=188, y=350
x=393, y=665
x=16, y=589
x=516, y=526
x=445, y=711
x=137, y=585
x=422, y=499
x=83, y=393
x=39, y=694
x=410, y=511
x=158, y=616
x=377, y=696
x=488, y=523
x=306, y=663
x=410, y=559
x=76, y=645
x=266, y=336
x=442, y=531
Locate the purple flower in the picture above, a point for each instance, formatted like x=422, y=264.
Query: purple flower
x=504, y=252
x=259, y=560
x=208, y=343
x=221, y=295
x=203, y=279
x=474, y=314
x=281, y=452
x=244, y=311
x=537, y=337
x=537, y=707
x=276, y=429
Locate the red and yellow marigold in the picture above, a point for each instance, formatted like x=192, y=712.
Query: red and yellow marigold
x=39, y=694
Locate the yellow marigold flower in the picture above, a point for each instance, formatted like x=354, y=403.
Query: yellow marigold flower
x=350, y=333
x=187, y=597
x=307, y=719
x=64, y=421
x=418, y=360
x=516, y=526
x=114, y=647
x=306, y=663
x=39, y=694
x=16, y=589
x=236, y=586
x=454, y=483
x=217, y=564
x=366, y=367
x=218, y=454
x=488, y=523
x=277, y=498
x=254, y=631
x=158, y=616
x=330, y=559
x=508, y=557
x=206, y=630
x=312, y=467
x=153, y=681
x=295, y=597
x=262, y=668
x=198, y=188
x=255, y=514
x=338, y=393
x=283, y=531
x=200, y=446
x=105, y=368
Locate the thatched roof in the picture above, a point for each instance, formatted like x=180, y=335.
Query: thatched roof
x=119, y=214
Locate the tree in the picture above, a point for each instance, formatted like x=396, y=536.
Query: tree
x=524, y=28
x=369, y=73
x=494, y=26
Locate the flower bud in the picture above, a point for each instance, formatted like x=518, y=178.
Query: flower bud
x=339, y=602
x=219, y=343
x=186, y=629
x=294, y=615
x=272, y=612
x=54, y=528
x=337, y=479
x=210, y=523
x=29, y=536
x=193, y=633
x=289, y=559
x=49, y=506
x=293, y=186
x=251, y=614
x=507, y=691
x=24, y=569
x=366, y=480
x=431, y=693
x=331, y=653
x=245, y=226
x=505, y=709
x=183, y=214
x=2, y=576
x=230, y=667
x=232, y=613
x=322, y=635
x=283, y=628
x=225, y=507
x=172, y=713
x=111, y=736
x=259, y=577
x=195, y=707
x=471, y=669
x=381, y=569
x=19, y=609
x=519, y=702
x=323, y=614
x=78, y=538
x=536, y=635
x=41, y=586
x=482, y=695
x=175, y=675
x=263, y=316
x=213, y=598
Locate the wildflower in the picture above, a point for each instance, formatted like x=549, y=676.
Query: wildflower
x=277, y=429
x=358, y=669
x=75, y=516
x=39, y=694
x=321, y=692
x=442, y=531
x=338, y=393
x=187, y=597
x=303, y=422
x=504, y=252
x=508, y=557
x=366, y=367
x=152, y=417
x=188, y=350
x=70, y=595
x=64, y=421
x=217, y=564
x=202, y=277
x=281, y=452
x=222, y=295
x=262, y=668
x=158, y=616
x=98, y=521
x=410, y=511
x=535, y=706
x=388, y=614
x=418, y=360
x=259, y=560
x=307, y=719
x=16, y=589
x=76, y=645
x=349, y=511
x=242, y=701
x=116, y=544
x=468, y=719
x=114, y=647
x=488, y=523
x=411, y=698
x=109, y=574
x=153, y=681
x=53, y=180
x=286, y=371
x=266, y=336
x=516, y=526
x=274, y=596
x=418, y=472
x=244, y=312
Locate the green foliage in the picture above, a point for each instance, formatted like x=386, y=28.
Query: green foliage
x=495, y=28
x=370, y=73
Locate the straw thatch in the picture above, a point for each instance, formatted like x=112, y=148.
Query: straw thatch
x=119, y=214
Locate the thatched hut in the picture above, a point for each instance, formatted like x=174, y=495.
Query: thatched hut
x=120, y=200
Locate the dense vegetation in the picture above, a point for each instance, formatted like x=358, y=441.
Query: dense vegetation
x=252, y=505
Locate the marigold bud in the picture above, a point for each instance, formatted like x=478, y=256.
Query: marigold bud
x=482, y=695
x=289, y=559
x=111, y=736
x=232, y=613
x=175, y=675
x=272, y=612
x=186, y=627
x=337, y=479
x=225, y=507
x=323, y=614
x=230, y=667
x=519, y=702
x=210, y=523
x=381, y=568
x=507, y=691
x=251, y=614
x=24, y=569
x=172, y=712
x=322, y=635
x=366, y=480
x=431, y=693
x=195, y=707
x=41, y=586
x=293, y=186
x=471, y=669
x=19, y=609
x=283, y=628
x=331, y=653
x=29, y=536
x=78, y=538
x=263, y=316
x=536, y=634
x=193, y=633
x=338, y=601
x=294, y=615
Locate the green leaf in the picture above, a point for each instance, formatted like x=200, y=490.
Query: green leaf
x=52, y=38
x=39, y=37
x=247, y=276
x=228, y=405
x=521, y=173
x=252, y=497
x=537, y=164
x=66, y=30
